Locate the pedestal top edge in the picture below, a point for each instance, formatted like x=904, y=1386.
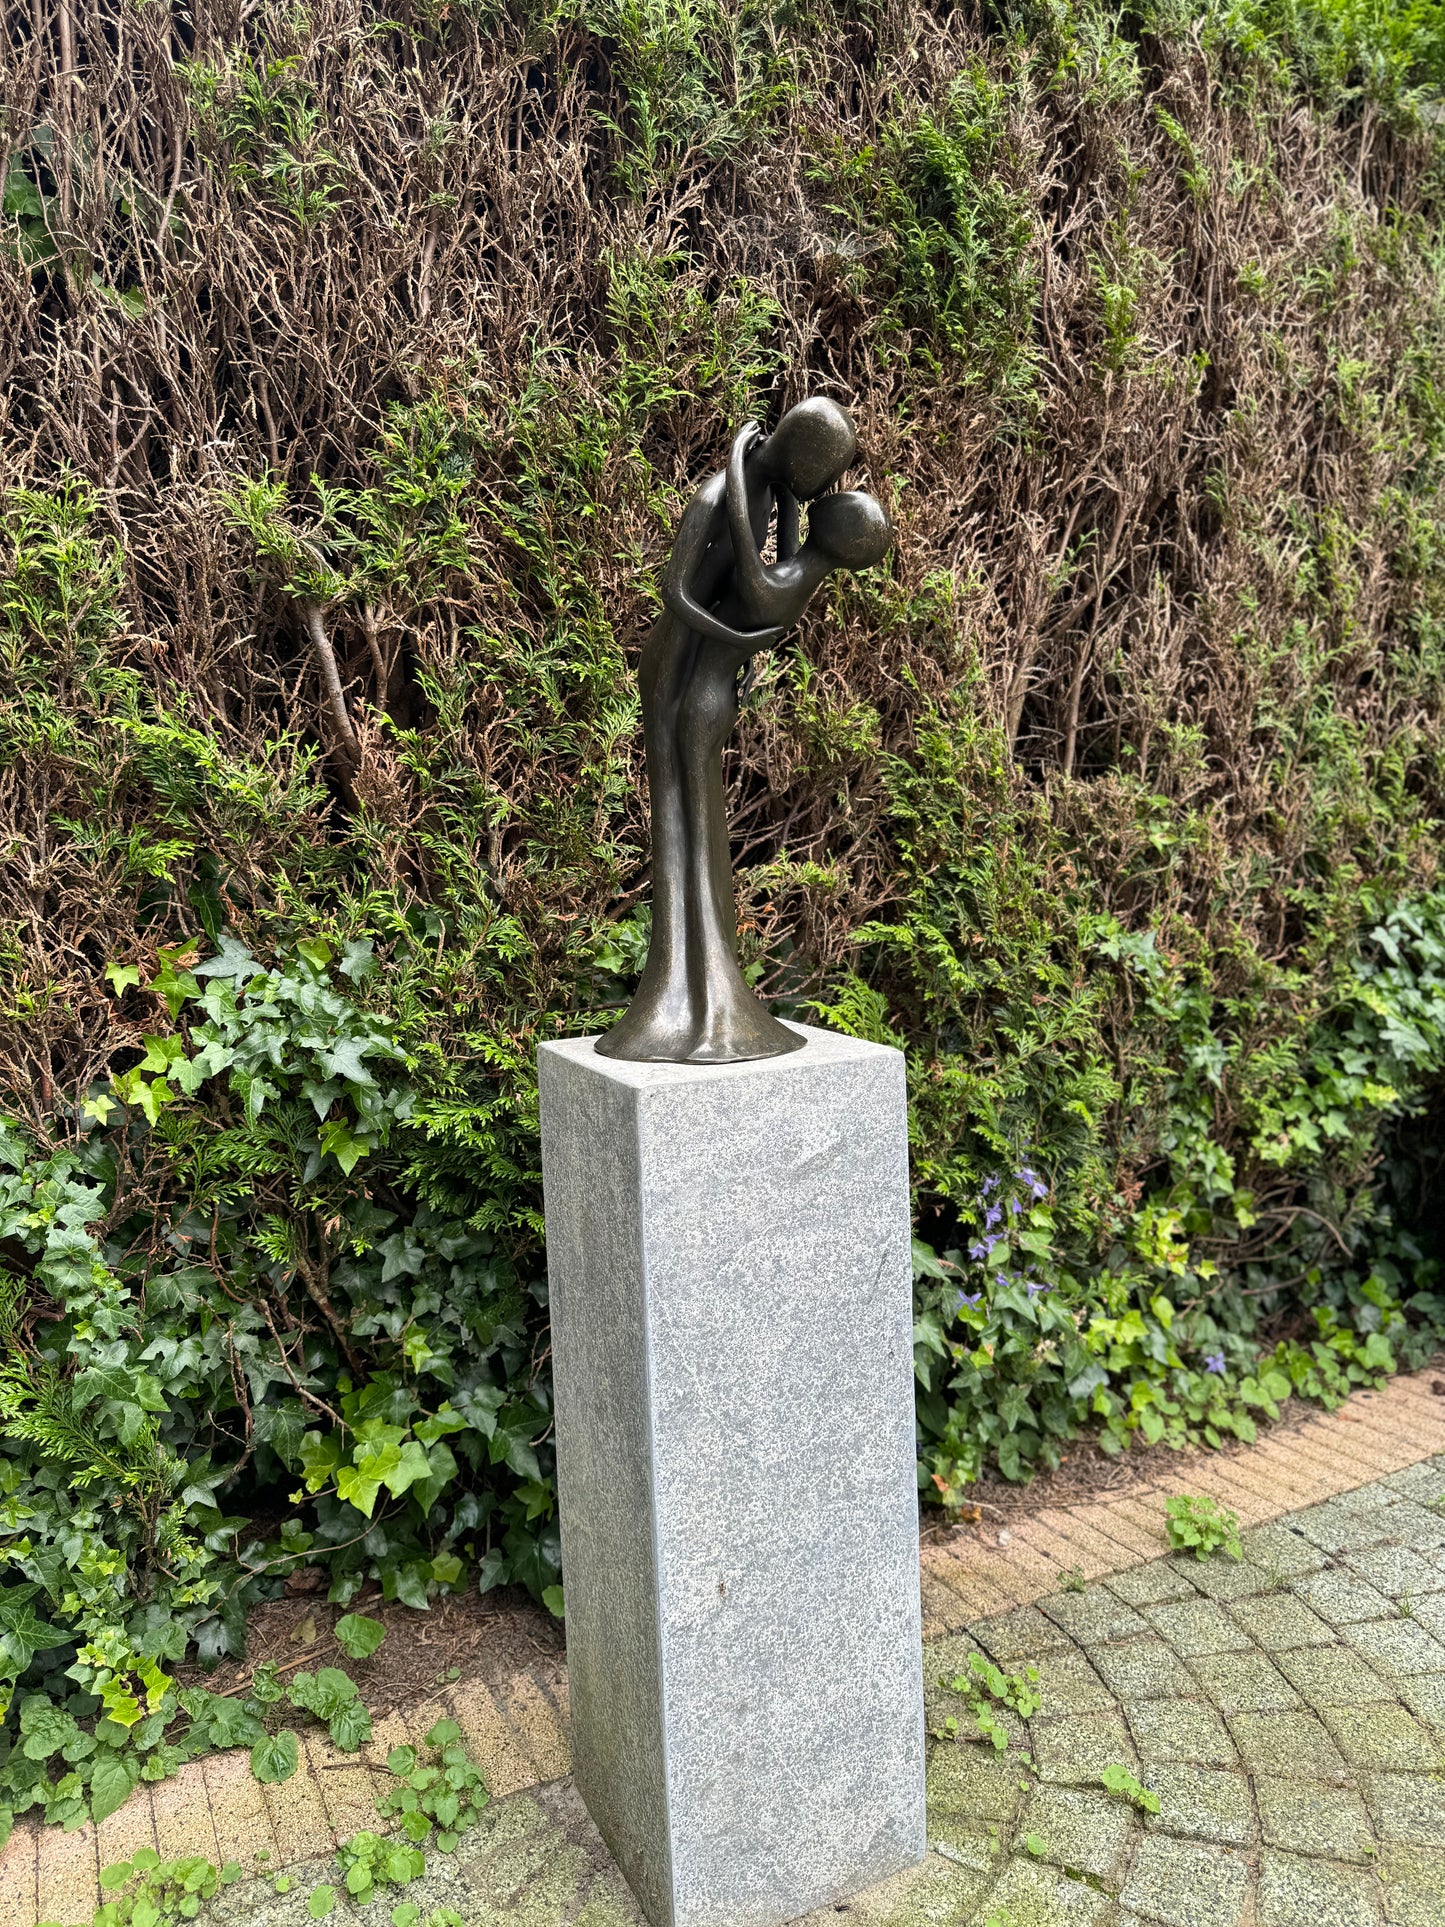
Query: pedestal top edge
x=822, y=1047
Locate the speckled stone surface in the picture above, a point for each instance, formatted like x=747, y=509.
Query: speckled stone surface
x=728, y=1255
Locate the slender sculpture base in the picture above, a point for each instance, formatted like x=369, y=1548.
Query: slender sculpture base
x=728, y=1258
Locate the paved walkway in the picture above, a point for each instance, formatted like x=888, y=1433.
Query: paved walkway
x=1277, y=1616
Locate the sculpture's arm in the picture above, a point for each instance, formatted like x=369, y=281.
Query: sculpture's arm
x=750, y=578
x=692, y=540
x=681, y=604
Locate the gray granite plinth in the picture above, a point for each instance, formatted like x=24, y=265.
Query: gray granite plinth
x=728, y=1258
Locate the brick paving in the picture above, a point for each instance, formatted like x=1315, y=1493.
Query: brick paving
x=1289, y=1712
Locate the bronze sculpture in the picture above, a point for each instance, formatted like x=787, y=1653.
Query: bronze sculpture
x=722, y=604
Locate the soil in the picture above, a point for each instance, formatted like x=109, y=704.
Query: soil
x=464, y=1635
x=1085, y=1473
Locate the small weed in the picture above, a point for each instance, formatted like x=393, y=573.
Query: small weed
x=146, y=1891
x=1201, y=1526
x=332, y=1696
x=359, y=1636
x=1407, y=1606
x=370, y=1862
x=1074, y=1580
x=448, y=1794
x=1116, y=1778
x=275, y=1757
x=983, y=1685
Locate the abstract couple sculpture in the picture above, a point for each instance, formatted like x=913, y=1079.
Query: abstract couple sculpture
x=721, y=605
x=728, y=1258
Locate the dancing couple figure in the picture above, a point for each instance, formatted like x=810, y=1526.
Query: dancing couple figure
x=721, y=605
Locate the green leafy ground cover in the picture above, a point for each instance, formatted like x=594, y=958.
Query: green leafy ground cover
x=356, y=366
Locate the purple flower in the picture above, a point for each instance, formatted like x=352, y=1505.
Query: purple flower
x=984, y=1245
x=1014, y=1206
x=993, y=1216
x=1214, y=1362
x=964, y=1298
x=989, y=1184
x=1034, y=1287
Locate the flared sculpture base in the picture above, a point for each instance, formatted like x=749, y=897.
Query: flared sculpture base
x=736, y=1030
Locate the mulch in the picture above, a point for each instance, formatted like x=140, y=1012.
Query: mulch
x=464, y=1635
x=1086, y=1473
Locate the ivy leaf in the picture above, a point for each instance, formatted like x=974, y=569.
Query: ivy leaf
x=320, y=1901
x=162, y=1052
x=494, y=1569
x=411, y=1465
x=479, y=1407
x=441, y=1423
x=344, y=1059
x=348, y=1149
x=275, y=1758
x=233, y=960
x=320, y=1455
x=357, y=960
x=120, y=1703
x=406, y=1580
x=172, y=984
x=446, y=1568
x=111, y=1782
x=45, y=1726
x=359, y=1484
x=359, y=1636
x=132, y=1088
x=121, y=976
x=25, y=1634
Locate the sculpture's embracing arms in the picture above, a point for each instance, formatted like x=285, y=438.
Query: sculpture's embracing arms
x=750, y=580
x=687, y=552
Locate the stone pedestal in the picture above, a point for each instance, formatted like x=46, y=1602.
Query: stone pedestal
x=728, y=1256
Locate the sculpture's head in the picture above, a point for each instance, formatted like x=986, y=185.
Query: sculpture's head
x=851, y=529
x=809, y=448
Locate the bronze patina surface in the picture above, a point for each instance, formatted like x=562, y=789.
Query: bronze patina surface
x=722, y=604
